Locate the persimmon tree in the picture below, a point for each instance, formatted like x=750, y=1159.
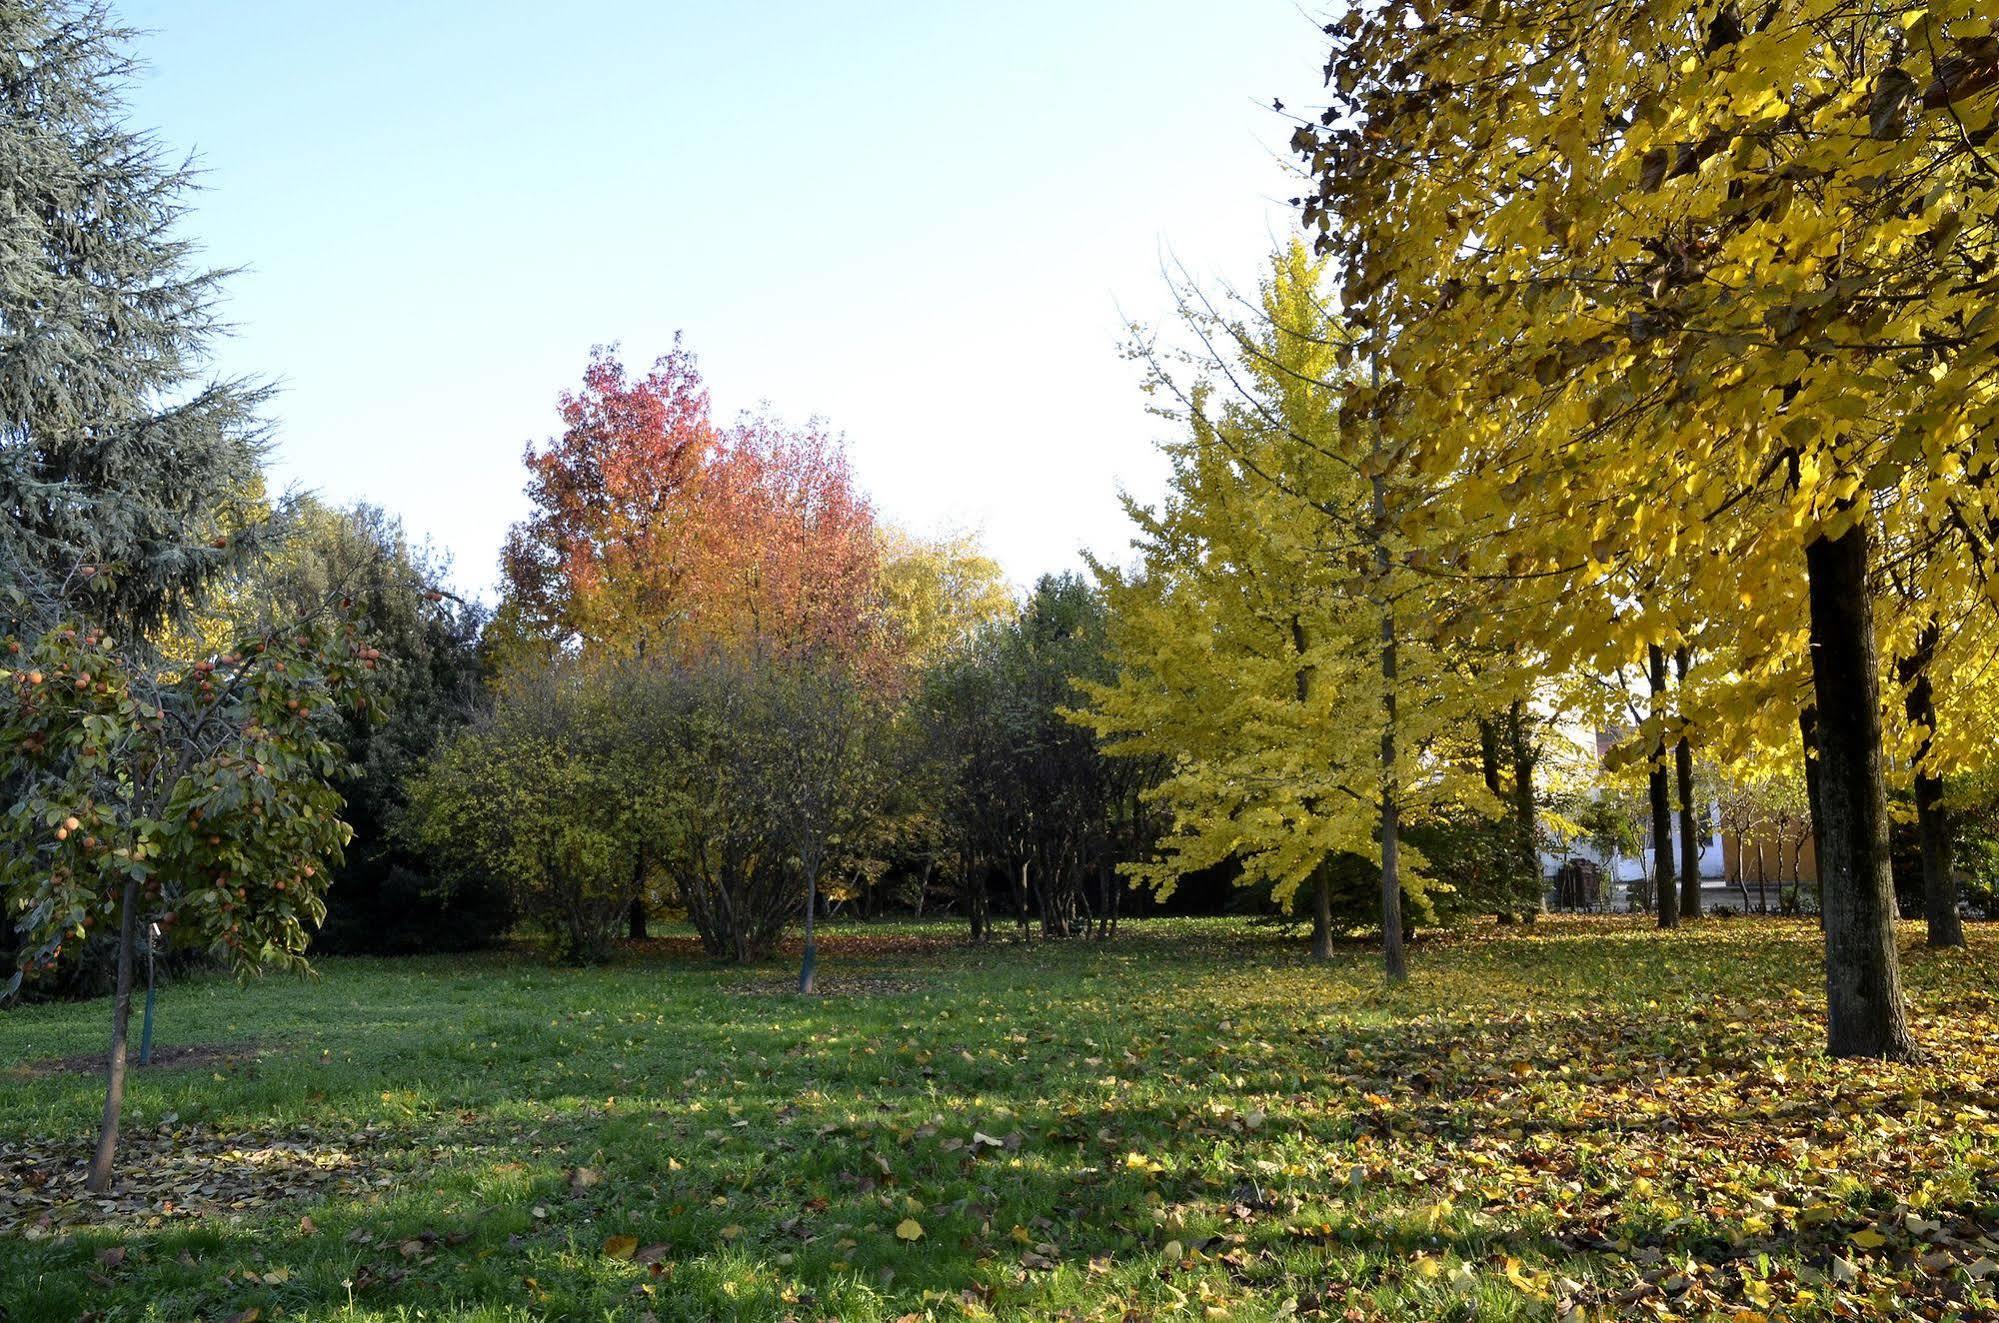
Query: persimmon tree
x=1702, y=288
x=196, y=796
x=193, y=791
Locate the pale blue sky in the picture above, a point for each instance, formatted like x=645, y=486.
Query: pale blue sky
x=920, y=220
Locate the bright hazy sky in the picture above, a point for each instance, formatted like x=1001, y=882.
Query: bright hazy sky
x=921, y=219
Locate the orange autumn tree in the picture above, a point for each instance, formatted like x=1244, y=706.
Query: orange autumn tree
x=784, y=555
x=655, y=529
x=722, y=585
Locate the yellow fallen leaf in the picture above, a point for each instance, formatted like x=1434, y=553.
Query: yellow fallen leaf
x=909, y=1229
x=620, y=1247
x=1868, y=1239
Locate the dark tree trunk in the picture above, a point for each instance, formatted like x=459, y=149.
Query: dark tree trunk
x=99, y=1179
x=1933, y=825
x=1522, y=749
x=1808, y=737
x=635, y=919
x=808, y=965
x=1690, y=831
x=1113, y=897
x=1488, y=767
x=978, y=894
x=1864, y=1012
x=1392, y=957
x=1322, y=910
x=1488, y=753
x=1020, y=898
x=1933, y=829
x=1659, y=787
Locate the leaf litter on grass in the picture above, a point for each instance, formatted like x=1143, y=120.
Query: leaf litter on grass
x=173, y=1172
x=1574, y=1122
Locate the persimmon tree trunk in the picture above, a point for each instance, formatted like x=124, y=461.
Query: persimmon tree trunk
x=99, y=1179
x=1690, y=844
x=1657, y=786
x=1864, y=1012
x=1933, y=825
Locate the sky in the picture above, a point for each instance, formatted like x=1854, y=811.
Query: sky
x=926, y=222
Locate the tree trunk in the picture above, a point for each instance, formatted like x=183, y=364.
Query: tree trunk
x=1762, y=880
x=1391, y=809
x=808, y=967
x=978, y=894
x=1322, y=910
x=1933, y=825
x=1658, y=787
x=99, y=1179
x=1523, y=812
x=1488, y=753
x=1933, y=829
x=1488, y=766
x=1113, y=897
x=1020, y=898
x=1690, y=832
x=635, y=917
x=1808, y=736
x=1864, y=1011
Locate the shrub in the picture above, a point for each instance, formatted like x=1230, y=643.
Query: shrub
x=554, y=796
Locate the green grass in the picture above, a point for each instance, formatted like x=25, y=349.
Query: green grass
x=1193, y=1121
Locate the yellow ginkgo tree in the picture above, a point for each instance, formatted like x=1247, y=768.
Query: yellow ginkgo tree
x=1704, y=288
x=1276, y=649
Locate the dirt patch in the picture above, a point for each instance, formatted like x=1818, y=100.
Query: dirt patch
x=172, y=1171
x=164, y=1058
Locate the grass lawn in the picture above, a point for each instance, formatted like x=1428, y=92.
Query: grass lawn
x=1584, y=1119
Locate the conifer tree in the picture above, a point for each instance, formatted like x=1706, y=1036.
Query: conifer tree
x=124, y=466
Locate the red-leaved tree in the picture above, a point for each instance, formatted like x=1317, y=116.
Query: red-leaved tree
x=654, y=529
x=787, y=559
x=603, y=557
